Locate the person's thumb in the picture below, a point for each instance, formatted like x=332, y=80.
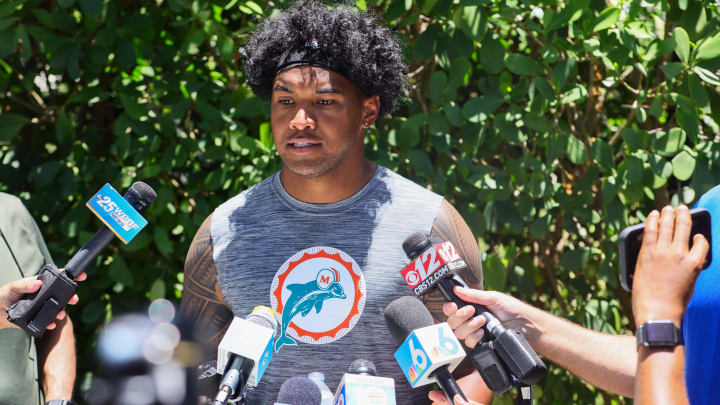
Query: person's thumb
x=487, y=298
x=19, y=287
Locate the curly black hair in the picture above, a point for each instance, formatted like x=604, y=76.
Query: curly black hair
x=356, y=40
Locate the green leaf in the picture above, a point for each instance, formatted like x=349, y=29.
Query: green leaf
x=672, y=69
x=162, y=241
x=682, y=44
x=603, y=154
x=634, y=167
x=708, y=49
x=491, y=55
x=632, y=138
x=191, y=45
x=477, y=109
x=125, y=53
x=472, y=21
x=132, y=107
x=494, y=273
x=577, y=93
x=420, y=161
x=606, y=19
x=523, y=65
x=656, y=107
x=118, y=271
x=64, y=130
x=46, y=172
x=683, y=166
x=575, y=259
x=157, y=290
x=438, y=80
x=424, y=44
x=669, y=144
x=10, y=126
x=454, y=114
x=688, y=120
x=576, y=151
x=265, y=135
x=697, y=91
x=707, y=76
x=91, y=8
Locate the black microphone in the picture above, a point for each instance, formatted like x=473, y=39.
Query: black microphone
x=299, y=391
x=406, y=315
x=140, y=196
x=436, y=264
x=34, y=311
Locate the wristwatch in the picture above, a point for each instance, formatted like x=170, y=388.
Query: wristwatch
x=661, y=333
x=60, y=402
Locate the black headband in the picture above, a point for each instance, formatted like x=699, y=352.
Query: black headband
x=309, y=54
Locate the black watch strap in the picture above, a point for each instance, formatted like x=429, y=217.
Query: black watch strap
x=661, y=333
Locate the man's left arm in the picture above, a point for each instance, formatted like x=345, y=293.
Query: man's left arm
x=450, y=226
x=56, y=352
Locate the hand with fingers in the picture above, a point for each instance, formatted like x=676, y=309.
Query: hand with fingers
x=667, y=267
x=11, y=292
x=512, y=312
x=665, y=275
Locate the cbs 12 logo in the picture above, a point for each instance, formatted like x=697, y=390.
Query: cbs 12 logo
x=430, y=261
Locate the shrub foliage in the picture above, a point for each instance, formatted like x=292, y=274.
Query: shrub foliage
x=550, y=125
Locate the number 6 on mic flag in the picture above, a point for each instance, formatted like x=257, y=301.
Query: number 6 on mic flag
x=426, y=349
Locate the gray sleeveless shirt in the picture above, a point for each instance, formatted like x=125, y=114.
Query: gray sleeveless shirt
x=328, y=270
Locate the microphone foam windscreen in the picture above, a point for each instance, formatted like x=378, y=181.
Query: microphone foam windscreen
x=263, y=316
x=299, y=391
x=406, y=314
x=414, y=244
x=362, y=367
x=140, y=195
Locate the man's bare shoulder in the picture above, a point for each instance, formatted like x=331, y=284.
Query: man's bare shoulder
x=202, y=301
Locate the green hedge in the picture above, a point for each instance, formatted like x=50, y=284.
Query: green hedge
x=549, y=125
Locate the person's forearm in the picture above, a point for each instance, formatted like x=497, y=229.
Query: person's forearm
x=605, y=361
x=57, y=361
x=661, y=377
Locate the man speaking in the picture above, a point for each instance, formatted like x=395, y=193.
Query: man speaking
x=320, y=241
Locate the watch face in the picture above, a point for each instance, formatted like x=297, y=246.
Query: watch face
x=661, y=333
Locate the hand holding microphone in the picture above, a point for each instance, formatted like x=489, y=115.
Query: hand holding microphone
x=428, y=352
x=33, y=312
x=505, y=356
x=11, y=292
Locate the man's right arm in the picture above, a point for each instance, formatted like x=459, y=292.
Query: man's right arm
x=602, y=360
x=202, y=303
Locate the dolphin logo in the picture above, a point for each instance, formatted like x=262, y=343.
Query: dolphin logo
x=305, y=297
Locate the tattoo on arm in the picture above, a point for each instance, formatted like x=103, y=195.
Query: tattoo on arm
x=450, y=226
x=202, y=302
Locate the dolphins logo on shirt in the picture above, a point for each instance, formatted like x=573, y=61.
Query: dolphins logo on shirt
x=318, y=295
x=305, y=297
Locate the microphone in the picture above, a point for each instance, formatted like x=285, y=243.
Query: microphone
x=436, y=264
x=244, y=353
x=299, y=391
x=428, y=352
x=121, y=216
x=361, y=386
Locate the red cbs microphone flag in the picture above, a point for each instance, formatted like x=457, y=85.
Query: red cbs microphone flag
x=431, y=266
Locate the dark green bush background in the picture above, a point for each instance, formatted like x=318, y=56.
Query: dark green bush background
x=549, y=125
